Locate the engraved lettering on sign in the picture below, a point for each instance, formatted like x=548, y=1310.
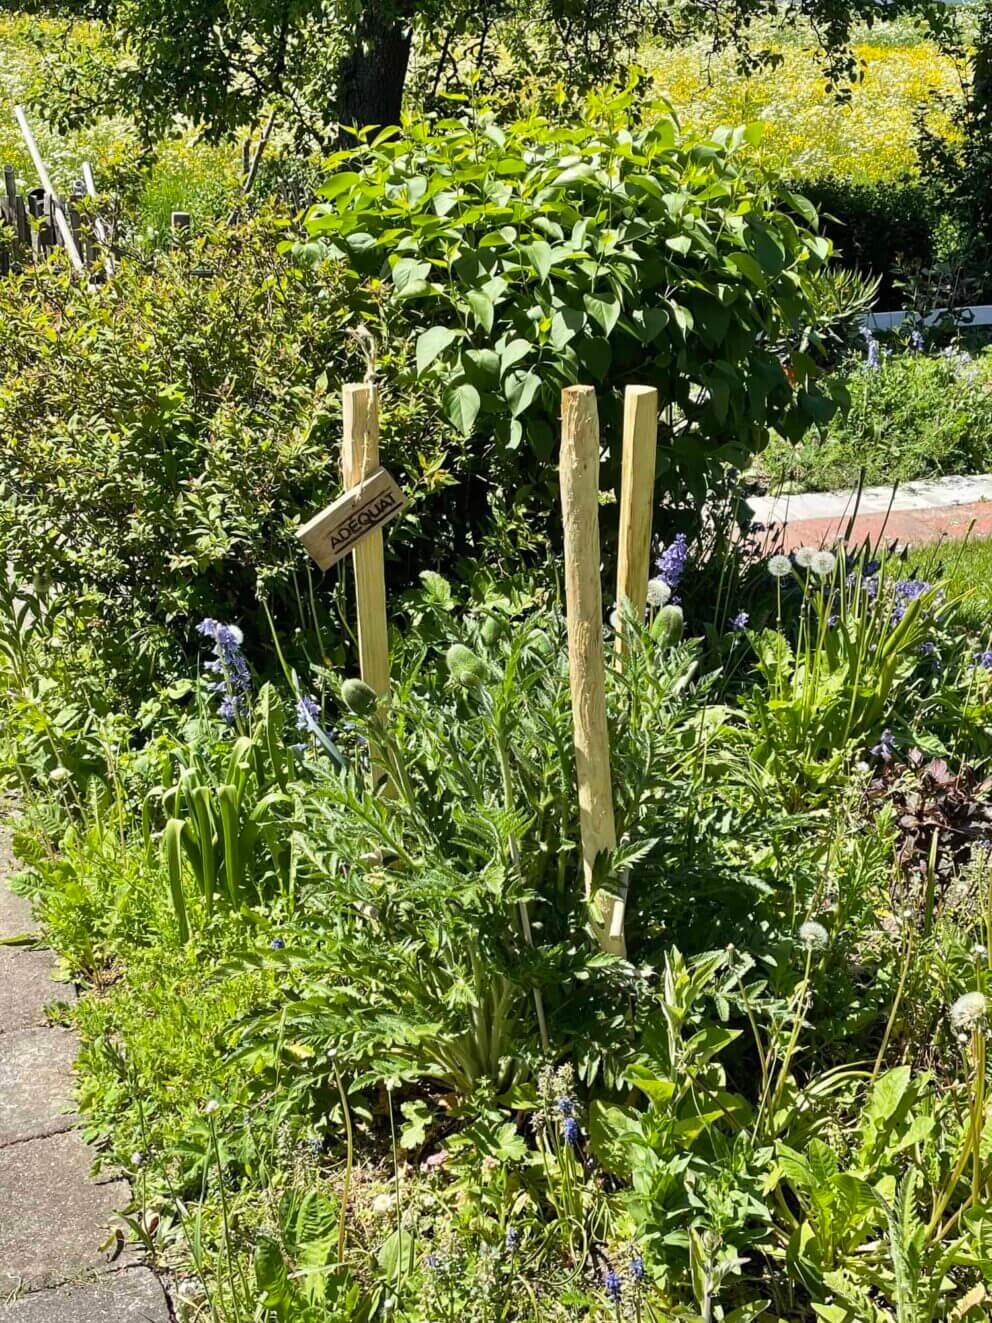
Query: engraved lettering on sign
x=337, y=530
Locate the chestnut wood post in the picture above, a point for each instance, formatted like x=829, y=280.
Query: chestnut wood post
x=359, y=459
x=640, y=446
x=579, y=473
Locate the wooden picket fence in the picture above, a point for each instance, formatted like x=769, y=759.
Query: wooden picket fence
x=33, y=231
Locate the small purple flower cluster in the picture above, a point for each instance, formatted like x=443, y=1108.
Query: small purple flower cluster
x=983, y=660
x=906, y=591
x=885, y=749
x=672, y=561
x=873, y=355
x=613, y=1280
x=228, y=662
x=739, y=621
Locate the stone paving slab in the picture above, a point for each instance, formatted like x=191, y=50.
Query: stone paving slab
x=15, y=912
x=53, y=1218
x=27, y=987
x=131, y=1296
x=35, y=1083
x=925, y=494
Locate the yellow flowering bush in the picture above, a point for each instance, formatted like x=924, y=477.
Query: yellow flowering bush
x=868, y=140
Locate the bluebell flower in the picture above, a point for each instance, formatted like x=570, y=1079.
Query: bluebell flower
x=928, y=648
x=307, y=712
x=229, y=664
x=613, y=1284
x=916, y=341
x=983, y=660
x=885, y=748
x=739, y=621
x=277, y=944
x=672, y=561
x=512, y=1238
x=873, y=357
x=571, y=1131
x=637, y=1268
x=565, y=1106
x=432, y=1261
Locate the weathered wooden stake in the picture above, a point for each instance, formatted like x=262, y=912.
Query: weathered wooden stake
x=640, y=445
x=579, y=473
x=103, y=237
x=62, y=223
x=359, y=459
x=181, y=223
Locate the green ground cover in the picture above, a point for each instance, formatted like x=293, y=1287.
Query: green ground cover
x=915, y=415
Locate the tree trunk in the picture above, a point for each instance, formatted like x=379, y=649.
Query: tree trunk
x=372, y=74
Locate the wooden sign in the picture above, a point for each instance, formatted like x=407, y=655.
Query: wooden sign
x=339, y=528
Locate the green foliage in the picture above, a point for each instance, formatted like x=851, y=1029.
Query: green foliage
x=529, y=257
x=165, y=433
x=917, y=416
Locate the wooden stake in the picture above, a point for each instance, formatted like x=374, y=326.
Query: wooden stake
x=64, y=228
x=360, y=458
x=579, y=473
x=100, y=229
x=640, y=445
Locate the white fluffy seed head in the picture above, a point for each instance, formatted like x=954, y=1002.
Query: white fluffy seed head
x=804, y=556
x=659, y=593
x=823, y=563
x=814, y=936
x=779, y=566
x=969, y=1013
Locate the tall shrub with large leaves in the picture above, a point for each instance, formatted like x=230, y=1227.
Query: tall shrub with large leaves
x=610, y=250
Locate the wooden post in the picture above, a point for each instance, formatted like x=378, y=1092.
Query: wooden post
x=640, y=445
x=579, y=473
x=359, y=459
x=58, y=212
x=103, y=238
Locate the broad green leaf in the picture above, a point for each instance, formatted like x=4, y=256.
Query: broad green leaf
x=606, y=311
x=513, y=353
x=565, y=325
x=461, y=406
x=540, y=257
x=482, y=308
x=432, y=343
x=520, y=388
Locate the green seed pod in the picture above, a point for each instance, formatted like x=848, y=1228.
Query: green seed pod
x=464, y=667
x=359, y=697
x=667, y=626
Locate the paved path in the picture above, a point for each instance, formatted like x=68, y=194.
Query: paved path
x=918, y=513
x=53, y=1215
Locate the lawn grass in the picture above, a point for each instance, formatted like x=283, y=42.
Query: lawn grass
x=967, y=571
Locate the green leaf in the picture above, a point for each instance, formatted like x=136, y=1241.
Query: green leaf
x=606, y=311
x=596, y=356
x=461, y=406
x=407, y=270
x=513, y=353
x=679, y=243
x=540, y=257
x=747, y=266
x=432, y=343
x=482, y=309
x=396, y=1255
x=520, y=389
x=565, y=325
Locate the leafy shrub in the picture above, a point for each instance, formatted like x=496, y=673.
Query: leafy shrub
x=165, y=432
x=914, y=416
x=530, y=257
x=883, y=228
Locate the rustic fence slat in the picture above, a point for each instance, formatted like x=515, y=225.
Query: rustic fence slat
x=640, y=446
